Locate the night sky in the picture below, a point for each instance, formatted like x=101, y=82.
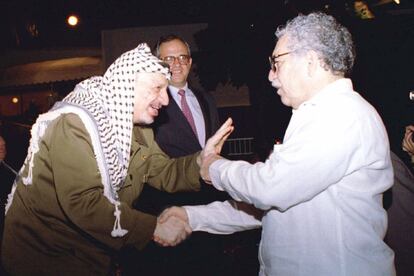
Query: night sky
x=29, y=24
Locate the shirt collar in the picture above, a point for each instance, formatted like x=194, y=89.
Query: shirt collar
x=174, y=90
x=338, y=86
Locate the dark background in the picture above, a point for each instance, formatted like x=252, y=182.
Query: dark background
x=235, y=46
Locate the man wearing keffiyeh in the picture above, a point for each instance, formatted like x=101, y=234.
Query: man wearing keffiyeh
x=70, y=208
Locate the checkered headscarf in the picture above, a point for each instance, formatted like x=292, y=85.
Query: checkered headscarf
x=110, y=100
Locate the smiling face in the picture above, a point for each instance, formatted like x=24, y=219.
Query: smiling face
x=150, y=96
x=179, y=71
x=290, y=74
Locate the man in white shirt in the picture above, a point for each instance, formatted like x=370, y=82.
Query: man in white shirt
x=321, y=190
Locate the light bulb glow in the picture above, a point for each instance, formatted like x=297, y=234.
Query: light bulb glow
x=15, y=100
x=73, y=20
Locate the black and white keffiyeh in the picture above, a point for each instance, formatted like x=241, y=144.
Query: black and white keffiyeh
x=105, y=105
x=110, y=100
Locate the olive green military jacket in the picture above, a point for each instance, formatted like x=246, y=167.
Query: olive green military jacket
x=61, y=224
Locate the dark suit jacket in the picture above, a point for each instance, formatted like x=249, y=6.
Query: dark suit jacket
x=399, y=201
x=174, y=135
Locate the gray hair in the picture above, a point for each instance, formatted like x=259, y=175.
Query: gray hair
x=169, y=38
x=323, y=34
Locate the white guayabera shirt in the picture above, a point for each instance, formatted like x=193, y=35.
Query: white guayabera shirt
x=321, y=191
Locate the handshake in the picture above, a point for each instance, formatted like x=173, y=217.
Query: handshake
x=172, y=227
x=173, y=224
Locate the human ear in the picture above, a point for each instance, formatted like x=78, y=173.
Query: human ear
x=313, y=63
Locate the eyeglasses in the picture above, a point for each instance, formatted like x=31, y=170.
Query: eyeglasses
x=182, y=59
x=273, y=62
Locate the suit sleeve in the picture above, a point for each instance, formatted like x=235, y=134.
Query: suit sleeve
x=173, y=174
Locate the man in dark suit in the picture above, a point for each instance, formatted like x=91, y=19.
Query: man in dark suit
x=174, y=132
x=182, y=128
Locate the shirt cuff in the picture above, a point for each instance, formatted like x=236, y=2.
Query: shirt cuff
x=215, y=173
x=192, y=218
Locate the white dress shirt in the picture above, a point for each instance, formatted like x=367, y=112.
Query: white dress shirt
x=321, y=191
x=195, y=110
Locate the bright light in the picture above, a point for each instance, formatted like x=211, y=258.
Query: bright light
x=397, y=1
x=73, y=20
x=15, y=100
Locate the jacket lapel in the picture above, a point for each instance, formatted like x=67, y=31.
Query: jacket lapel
x=174, y=111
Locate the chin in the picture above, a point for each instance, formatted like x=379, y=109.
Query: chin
x=286, y=102
x=144, y=121
x=178, y=81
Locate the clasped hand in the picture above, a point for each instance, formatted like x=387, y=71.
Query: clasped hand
x=171, y=231
x=172, y=225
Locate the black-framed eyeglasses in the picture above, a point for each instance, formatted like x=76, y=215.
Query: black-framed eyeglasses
x=182, y=59
x=273, y=62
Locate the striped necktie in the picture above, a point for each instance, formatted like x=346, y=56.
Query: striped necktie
x=186, y=111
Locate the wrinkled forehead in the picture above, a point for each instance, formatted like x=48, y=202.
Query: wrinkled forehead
x=154, y=79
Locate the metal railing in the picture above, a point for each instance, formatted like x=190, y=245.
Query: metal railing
x=239, y=146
